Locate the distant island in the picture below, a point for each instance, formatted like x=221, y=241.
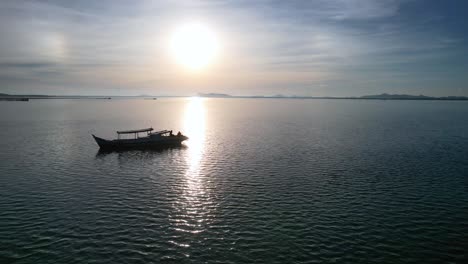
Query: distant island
x=215, y=95
x=384, y=96
x=27, y=97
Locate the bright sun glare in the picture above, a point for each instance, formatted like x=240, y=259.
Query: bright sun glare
x=194, y=46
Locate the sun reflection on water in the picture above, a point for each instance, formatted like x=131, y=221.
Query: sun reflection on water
x=194, y=127
x=193, y=208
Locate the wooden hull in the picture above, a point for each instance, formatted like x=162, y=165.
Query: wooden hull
x=139, y=143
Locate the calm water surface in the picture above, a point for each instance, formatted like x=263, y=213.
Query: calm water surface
x=259, y=181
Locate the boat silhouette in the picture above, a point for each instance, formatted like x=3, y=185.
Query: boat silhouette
x=158, y=139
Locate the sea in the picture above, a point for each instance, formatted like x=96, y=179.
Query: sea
x=258, y=181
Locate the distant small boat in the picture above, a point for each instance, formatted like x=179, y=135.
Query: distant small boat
x=156, y=139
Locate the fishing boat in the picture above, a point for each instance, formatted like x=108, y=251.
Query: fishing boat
x=149, y=139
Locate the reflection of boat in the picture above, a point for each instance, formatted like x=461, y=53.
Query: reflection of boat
x=156, y=139
x=138, y=153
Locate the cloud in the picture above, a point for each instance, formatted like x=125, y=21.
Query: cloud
x=267, y=44
x=363, y=9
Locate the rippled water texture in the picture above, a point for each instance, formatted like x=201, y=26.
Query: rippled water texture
x=259, y=181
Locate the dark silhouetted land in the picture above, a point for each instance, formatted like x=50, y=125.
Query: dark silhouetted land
x=383, y=96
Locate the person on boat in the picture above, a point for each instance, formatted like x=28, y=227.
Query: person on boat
x=170, y=133
x=179, y=134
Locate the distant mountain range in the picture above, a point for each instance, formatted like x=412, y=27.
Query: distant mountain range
x=383, y=96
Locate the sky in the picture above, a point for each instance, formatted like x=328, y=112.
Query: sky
x=301, y=48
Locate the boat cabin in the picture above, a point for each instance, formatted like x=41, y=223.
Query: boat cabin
x=136, y=133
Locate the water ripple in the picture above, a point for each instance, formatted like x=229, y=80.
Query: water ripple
x=262, y=181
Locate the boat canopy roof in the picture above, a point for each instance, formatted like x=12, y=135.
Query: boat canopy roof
x=135, y=131
x=161, y=132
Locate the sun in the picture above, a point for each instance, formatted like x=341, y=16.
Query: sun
x=194, y=46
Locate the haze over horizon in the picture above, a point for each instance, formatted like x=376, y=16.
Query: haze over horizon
x=303, y=48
